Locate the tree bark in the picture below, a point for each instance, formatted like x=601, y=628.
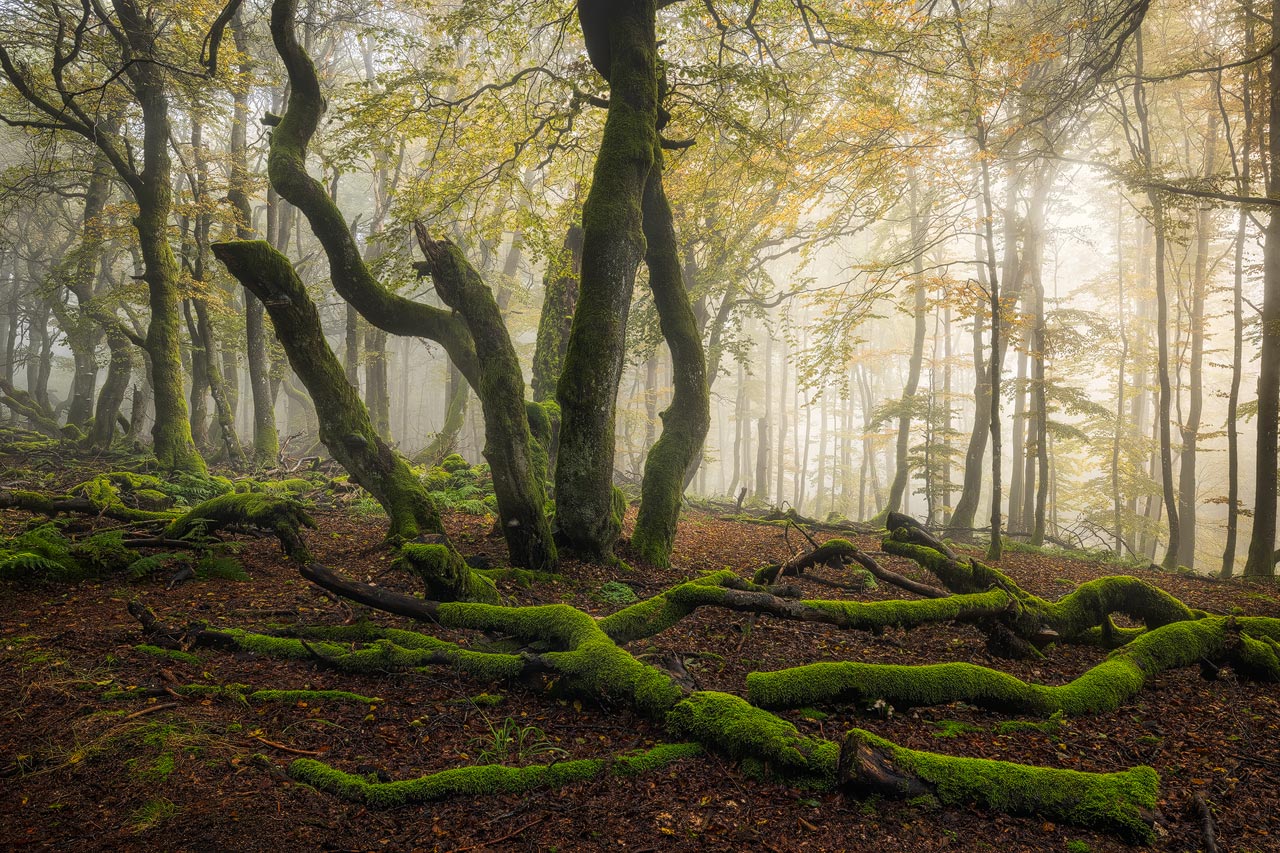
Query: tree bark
x=1262, y=544
x=686, y=421
x=558, y=303
x=622, y=43
x=345, y=427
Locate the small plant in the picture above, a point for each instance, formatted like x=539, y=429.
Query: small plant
x=152, y=813
x=511, y=742
x=1051, y=726
x=1075, y=845
x=953, y=728
x=617, y=593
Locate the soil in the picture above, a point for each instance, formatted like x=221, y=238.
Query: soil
x=158, y=771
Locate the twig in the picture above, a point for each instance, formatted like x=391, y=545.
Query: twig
x=490, y=842
x=151, y=709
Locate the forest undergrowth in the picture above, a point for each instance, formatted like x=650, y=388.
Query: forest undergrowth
x=259, y=705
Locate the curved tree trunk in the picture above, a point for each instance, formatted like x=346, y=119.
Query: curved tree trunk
x=516, y=480
x=520, y=504
x=686, y=421
x=345, y=427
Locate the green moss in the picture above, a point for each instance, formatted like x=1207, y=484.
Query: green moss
x=453, y=463
x=283, y=516
x=878, y=615
x=656, y=614
x=953, y=728
x=1119, y=803
x=1080, y=616
x=313, y=696
x=1105, y=687
x=482, y=780
x=170, y=654
x=735, y=728
x=444, y=573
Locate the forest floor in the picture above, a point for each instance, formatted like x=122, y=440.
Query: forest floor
x=82, y=770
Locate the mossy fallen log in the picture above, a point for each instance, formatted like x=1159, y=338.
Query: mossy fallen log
x=483, y=779
x=1247, y=643
x=282, y=516
x=1122, y=804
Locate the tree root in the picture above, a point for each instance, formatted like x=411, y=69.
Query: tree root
x=584, y=656
x=484, y=778
x=1247, y=644
x=1120, y=803
x=1082, y=616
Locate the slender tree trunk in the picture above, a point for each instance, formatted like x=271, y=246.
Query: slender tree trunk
x=561, y=297
x=1162, y=314
x=686, y=421
x=1261, y=562
x=1191, y=424
x=902, y=470
x=1243, y=167
x=763, y=447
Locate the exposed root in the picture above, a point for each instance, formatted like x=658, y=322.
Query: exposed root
x=483, y=779
x=1247, y=644
x=1120, y=803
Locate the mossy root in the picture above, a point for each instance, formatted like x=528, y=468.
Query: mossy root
x=1121, y=803
x=483, y=779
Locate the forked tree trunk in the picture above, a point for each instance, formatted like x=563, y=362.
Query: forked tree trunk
x=622, y=44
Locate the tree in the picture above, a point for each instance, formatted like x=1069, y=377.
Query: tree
x=52, y=101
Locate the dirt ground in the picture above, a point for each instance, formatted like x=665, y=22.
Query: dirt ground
x=96, y=755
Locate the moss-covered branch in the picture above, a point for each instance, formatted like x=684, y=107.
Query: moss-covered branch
x=1246, y=643
x=1081, y=616
x=1120, y=803
x=483, y=779
x=724, y=589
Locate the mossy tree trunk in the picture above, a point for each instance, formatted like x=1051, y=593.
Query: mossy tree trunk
x=621, y=41
x=111, y=395
x=516, y=483
x=686, y=420
x=345, y=427
x=520, y=504
x=558, y=304
x=171, y=434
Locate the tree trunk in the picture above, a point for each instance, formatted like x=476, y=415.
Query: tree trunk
x=902, y=469
x=171, y=433
x=1162, y=314
x=345, y=427
x=558, y=303
x=686, y=421
x=622, y=44
x=1262, y=544
x=1191, y=425
x=1243, y=168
